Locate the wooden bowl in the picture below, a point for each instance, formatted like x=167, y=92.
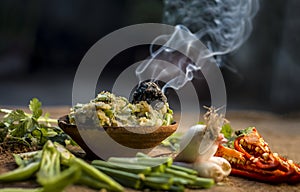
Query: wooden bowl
x=128, y=137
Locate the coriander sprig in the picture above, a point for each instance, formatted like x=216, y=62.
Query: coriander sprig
x=31, y=129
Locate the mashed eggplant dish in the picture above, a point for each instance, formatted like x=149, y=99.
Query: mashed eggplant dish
x=148, y=108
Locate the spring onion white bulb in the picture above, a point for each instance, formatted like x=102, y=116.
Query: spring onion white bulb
x=200, y=143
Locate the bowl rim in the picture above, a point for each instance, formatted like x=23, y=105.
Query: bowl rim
x=74, y=132
x=65, y=120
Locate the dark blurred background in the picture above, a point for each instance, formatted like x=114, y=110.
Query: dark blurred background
x=43, y=42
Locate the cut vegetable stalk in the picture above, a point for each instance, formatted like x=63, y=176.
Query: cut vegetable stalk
x=177, y=188
x=20, y=174
x=194, y=181
x=144, y=160
x=140, y=154
x=95, y=173
x=158, y=182
x=93, y=183
x=21, y=190
x=68, y=158
x=125, y=167
x=23, y=159
x=50, y=164
x=157, y=164
x=176, y=180
x=125, y=178
x=133, y=161
x=62, y=180
x=184, y=169
x=202, y=183
x=180, y=174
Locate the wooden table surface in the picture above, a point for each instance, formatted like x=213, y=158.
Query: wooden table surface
x=281, y=132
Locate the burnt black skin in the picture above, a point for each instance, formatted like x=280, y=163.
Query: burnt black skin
x=149, y=92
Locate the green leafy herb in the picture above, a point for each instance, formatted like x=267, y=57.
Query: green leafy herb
x=35, y=107
x=227, y=130
x=32, y=130
x=231, y=135
x=245, y=131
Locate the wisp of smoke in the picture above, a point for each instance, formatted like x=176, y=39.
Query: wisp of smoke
x=221, y=25
x=182, y=70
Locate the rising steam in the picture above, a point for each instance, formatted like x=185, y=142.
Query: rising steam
x=221, y=25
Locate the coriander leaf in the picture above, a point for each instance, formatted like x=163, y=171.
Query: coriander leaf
x=2, y=125
x=227, y=130
x=35, y=107
x=18, y=130
x=245, y=131
x=3, y=133
x=32, y=124
x=7, y=111
x=28, y=129
x=14, y=116
x=47, y=115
